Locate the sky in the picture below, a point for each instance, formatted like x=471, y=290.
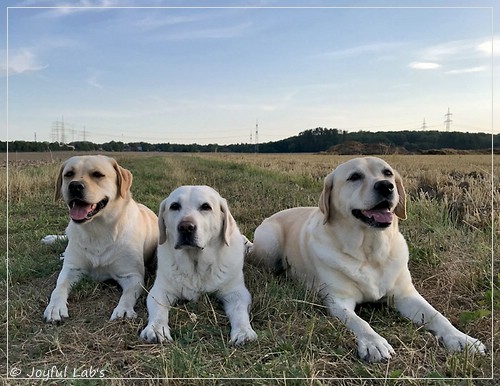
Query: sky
x=188, y=72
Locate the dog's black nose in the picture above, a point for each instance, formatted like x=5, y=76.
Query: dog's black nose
x=186, y=227
x=76, y=188
x=384, y=188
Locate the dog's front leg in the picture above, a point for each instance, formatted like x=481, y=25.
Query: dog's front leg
x=57, y=309
x=132, y=287
x=416, y=308
x=237, y=305
x=371, y=346
x=159, y=303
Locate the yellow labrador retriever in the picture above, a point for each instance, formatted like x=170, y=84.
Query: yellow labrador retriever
x=110, y=236
x=351, y=251
x=200, y=250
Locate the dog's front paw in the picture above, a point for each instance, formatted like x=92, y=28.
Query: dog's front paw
x=55, y=313
x=375, y=349
x=52, y=239
x=242, y=335
x=123, y=312
x=156, y=333
x=248, y=245
x=460, y=342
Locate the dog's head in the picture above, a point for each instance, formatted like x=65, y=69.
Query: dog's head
x=366, y=189
x=89, y=184
x=194, y=217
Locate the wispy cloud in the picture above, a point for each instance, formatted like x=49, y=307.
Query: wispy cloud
x=351, y=52
x=33, y=58
x=460, y=49
x=424, y=65
x=22, y=61
x=490, y=47
x=227, y=32
x=66, y=8
x=155, y=21
x=454, y=52
x=468, y=70
x=93, y=79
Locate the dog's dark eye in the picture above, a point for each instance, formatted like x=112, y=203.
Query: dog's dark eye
x=205, y=206
x=388, y=173
x=355, y=177
x=69, y=174
x=175, y=206
x=97, y=174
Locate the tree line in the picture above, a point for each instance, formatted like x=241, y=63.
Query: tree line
x=308, y=141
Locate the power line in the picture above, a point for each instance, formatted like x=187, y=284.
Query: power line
x=424, y=125
x=448, y=119
x=256, y=136
x=62, y=131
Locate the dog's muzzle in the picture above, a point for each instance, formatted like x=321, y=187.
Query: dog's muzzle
x=76, y=189
x=80, y=210
x=381, y=215
x=186, y=235
x=384, y=188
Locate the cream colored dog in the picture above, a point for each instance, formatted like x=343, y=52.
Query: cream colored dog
x=110, y=236
x=200, y=251
x=351, y=251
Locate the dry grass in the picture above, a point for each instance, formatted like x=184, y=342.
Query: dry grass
x=448, y=231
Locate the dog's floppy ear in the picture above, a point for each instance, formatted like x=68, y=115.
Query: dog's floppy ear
x=400, y=210
x=228, y=222
x=162, y=236
x=324, y=198
x=59, y=180
x=124, y=179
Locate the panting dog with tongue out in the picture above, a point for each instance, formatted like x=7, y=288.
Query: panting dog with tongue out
x=110, y=236
x=350, y=250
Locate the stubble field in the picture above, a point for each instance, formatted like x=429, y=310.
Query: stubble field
x=451, y=210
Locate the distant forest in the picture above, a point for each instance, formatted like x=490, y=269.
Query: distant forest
x=308, y=141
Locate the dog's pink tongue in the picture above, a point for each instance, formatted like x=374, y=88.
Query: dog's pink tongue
x=383, y=215
x=80, y=211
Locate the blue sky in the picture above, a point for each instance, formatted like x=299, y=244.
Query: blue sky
x=206, y=75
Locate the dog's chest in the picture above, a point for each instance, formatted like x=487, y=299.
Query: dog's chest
x=373, y=281
x=193, y=278
x=94, y=253
x=369, y=266
x=375, y=278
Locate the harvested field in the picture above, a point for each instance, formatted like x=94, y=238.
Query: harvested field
x=452, y=210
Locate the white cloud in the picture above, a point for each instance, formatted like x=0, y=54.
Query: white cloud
x=490, y=47
x=468, y=70
x=462, y=49
x=361, y=50
x=22, y=61
x=424, y=65
x=66, y=8
x=210, y=33
x=160, y=20
x=450, y=50
x=93, y=80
